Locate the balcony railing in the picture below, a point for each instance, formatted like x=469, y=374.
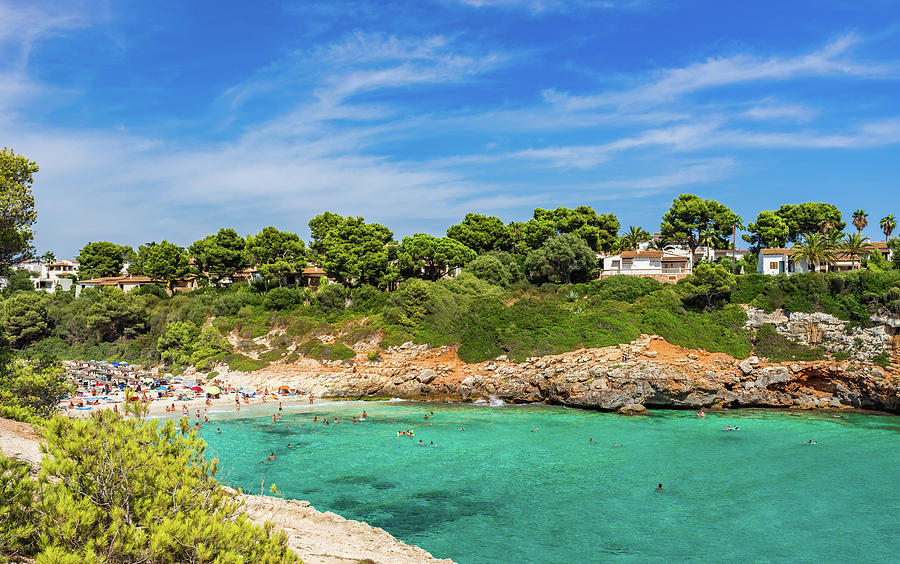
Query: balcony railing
x=646, y=271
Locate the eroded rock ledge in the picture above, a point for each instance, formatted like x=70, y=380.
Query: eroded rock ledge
x=646, y=373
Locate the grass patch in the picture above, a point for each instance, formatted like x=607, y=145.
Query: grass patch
x=314, y=348
x=241, y=363
x=882, y=359
x=273, y=355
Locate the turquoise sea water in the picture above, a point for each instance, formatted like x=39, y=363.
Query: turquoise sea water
x=501, y=492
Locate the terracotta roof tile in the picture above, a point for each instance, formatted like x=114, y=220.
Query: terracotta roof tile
x=641, y=254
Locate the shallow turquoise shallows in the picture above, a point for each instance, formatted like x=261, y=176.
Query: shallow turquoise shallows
x=524, y=484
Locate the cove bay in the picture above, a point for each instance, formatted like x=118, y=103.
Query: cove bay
x=525, y=484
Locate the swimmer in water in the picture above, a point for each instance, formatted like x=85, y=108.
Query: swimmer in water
x=426, y=417
x=421, y=443
x=536, y=431
x=289, y=445
x=316, y=419
x=591, y=441
x=218, y=431
x=812, y=442
x=432, y=444
x=462, y=428
x=365, y=415
x=659, y=488
x=616, y=444
x=288, y=428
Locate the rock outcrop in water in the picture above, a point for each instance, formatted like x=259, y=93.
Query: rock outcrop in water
x=646, y=373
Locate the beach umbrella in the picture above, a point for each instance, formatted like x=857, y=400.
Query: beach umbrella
x=196, y=388
x=162, y=388
x=213, y=390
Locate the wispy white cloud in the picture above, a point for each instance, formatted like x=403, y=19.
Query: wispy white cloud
x=21, y=25
x=667, y=85
x=688, y=173
x=538, y=6
x=770, y=110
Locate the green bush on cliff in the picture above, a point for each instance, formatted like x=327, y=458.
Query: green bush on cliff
x=241, y=363
x=116, y=490
x=777, y=348
x=314, y=348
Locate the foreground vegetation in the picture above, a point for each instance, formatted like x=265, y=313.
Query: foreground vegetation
x=118, y=490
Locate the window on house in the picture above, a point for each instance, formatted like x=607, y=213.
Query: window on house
x=773, y=266
x=615, y=264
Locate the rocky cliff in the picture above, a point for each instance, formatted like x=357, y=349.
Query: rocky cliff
x=644, y=374
x=860, y=344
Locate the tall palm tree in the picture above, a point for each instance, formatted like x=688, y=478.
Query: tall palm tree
x=887, y=225
x=859, y=220
x=816, y=249
x=855, y=246
x=634, y=237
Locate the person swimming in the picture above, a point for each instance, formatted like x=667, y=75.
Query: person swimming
x=659, y=488
x=289, y=445
x=432, y=444
x=316, y=419
x=288, y=428
x=536, y=431
x=218, y=431
x=616, y=444
x=812, y=442
x=462, y=428
x=591, y=441
x=421, y=443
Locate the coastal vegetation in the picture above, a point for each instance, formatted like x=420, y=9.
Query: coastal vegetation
x=120, y=490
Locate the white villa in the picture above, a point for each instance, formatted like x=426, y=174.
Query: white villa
x=665, y=266
x=48, y=276
x=779, y=261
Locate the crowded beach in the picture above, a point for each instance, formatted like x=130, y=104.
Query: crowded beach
x=107, y=385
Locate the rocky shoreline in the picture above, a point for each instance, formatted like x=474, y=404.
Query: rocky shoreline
x=647, y=373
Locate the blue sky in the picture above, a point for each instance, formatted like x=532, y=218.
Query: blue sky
x=169, y=120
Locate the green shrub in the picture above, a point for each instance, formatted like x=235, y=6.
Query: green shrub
x=748, y=287
x=331, y=299
x=314, y=348
x=882, y=359
x=18, y=519
x=777, y=348
x=241, y=363
x=623, y=288
x=840, y=356
x=117, y=490
x=279, y=299
x=273, y=355
x=367, y=299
